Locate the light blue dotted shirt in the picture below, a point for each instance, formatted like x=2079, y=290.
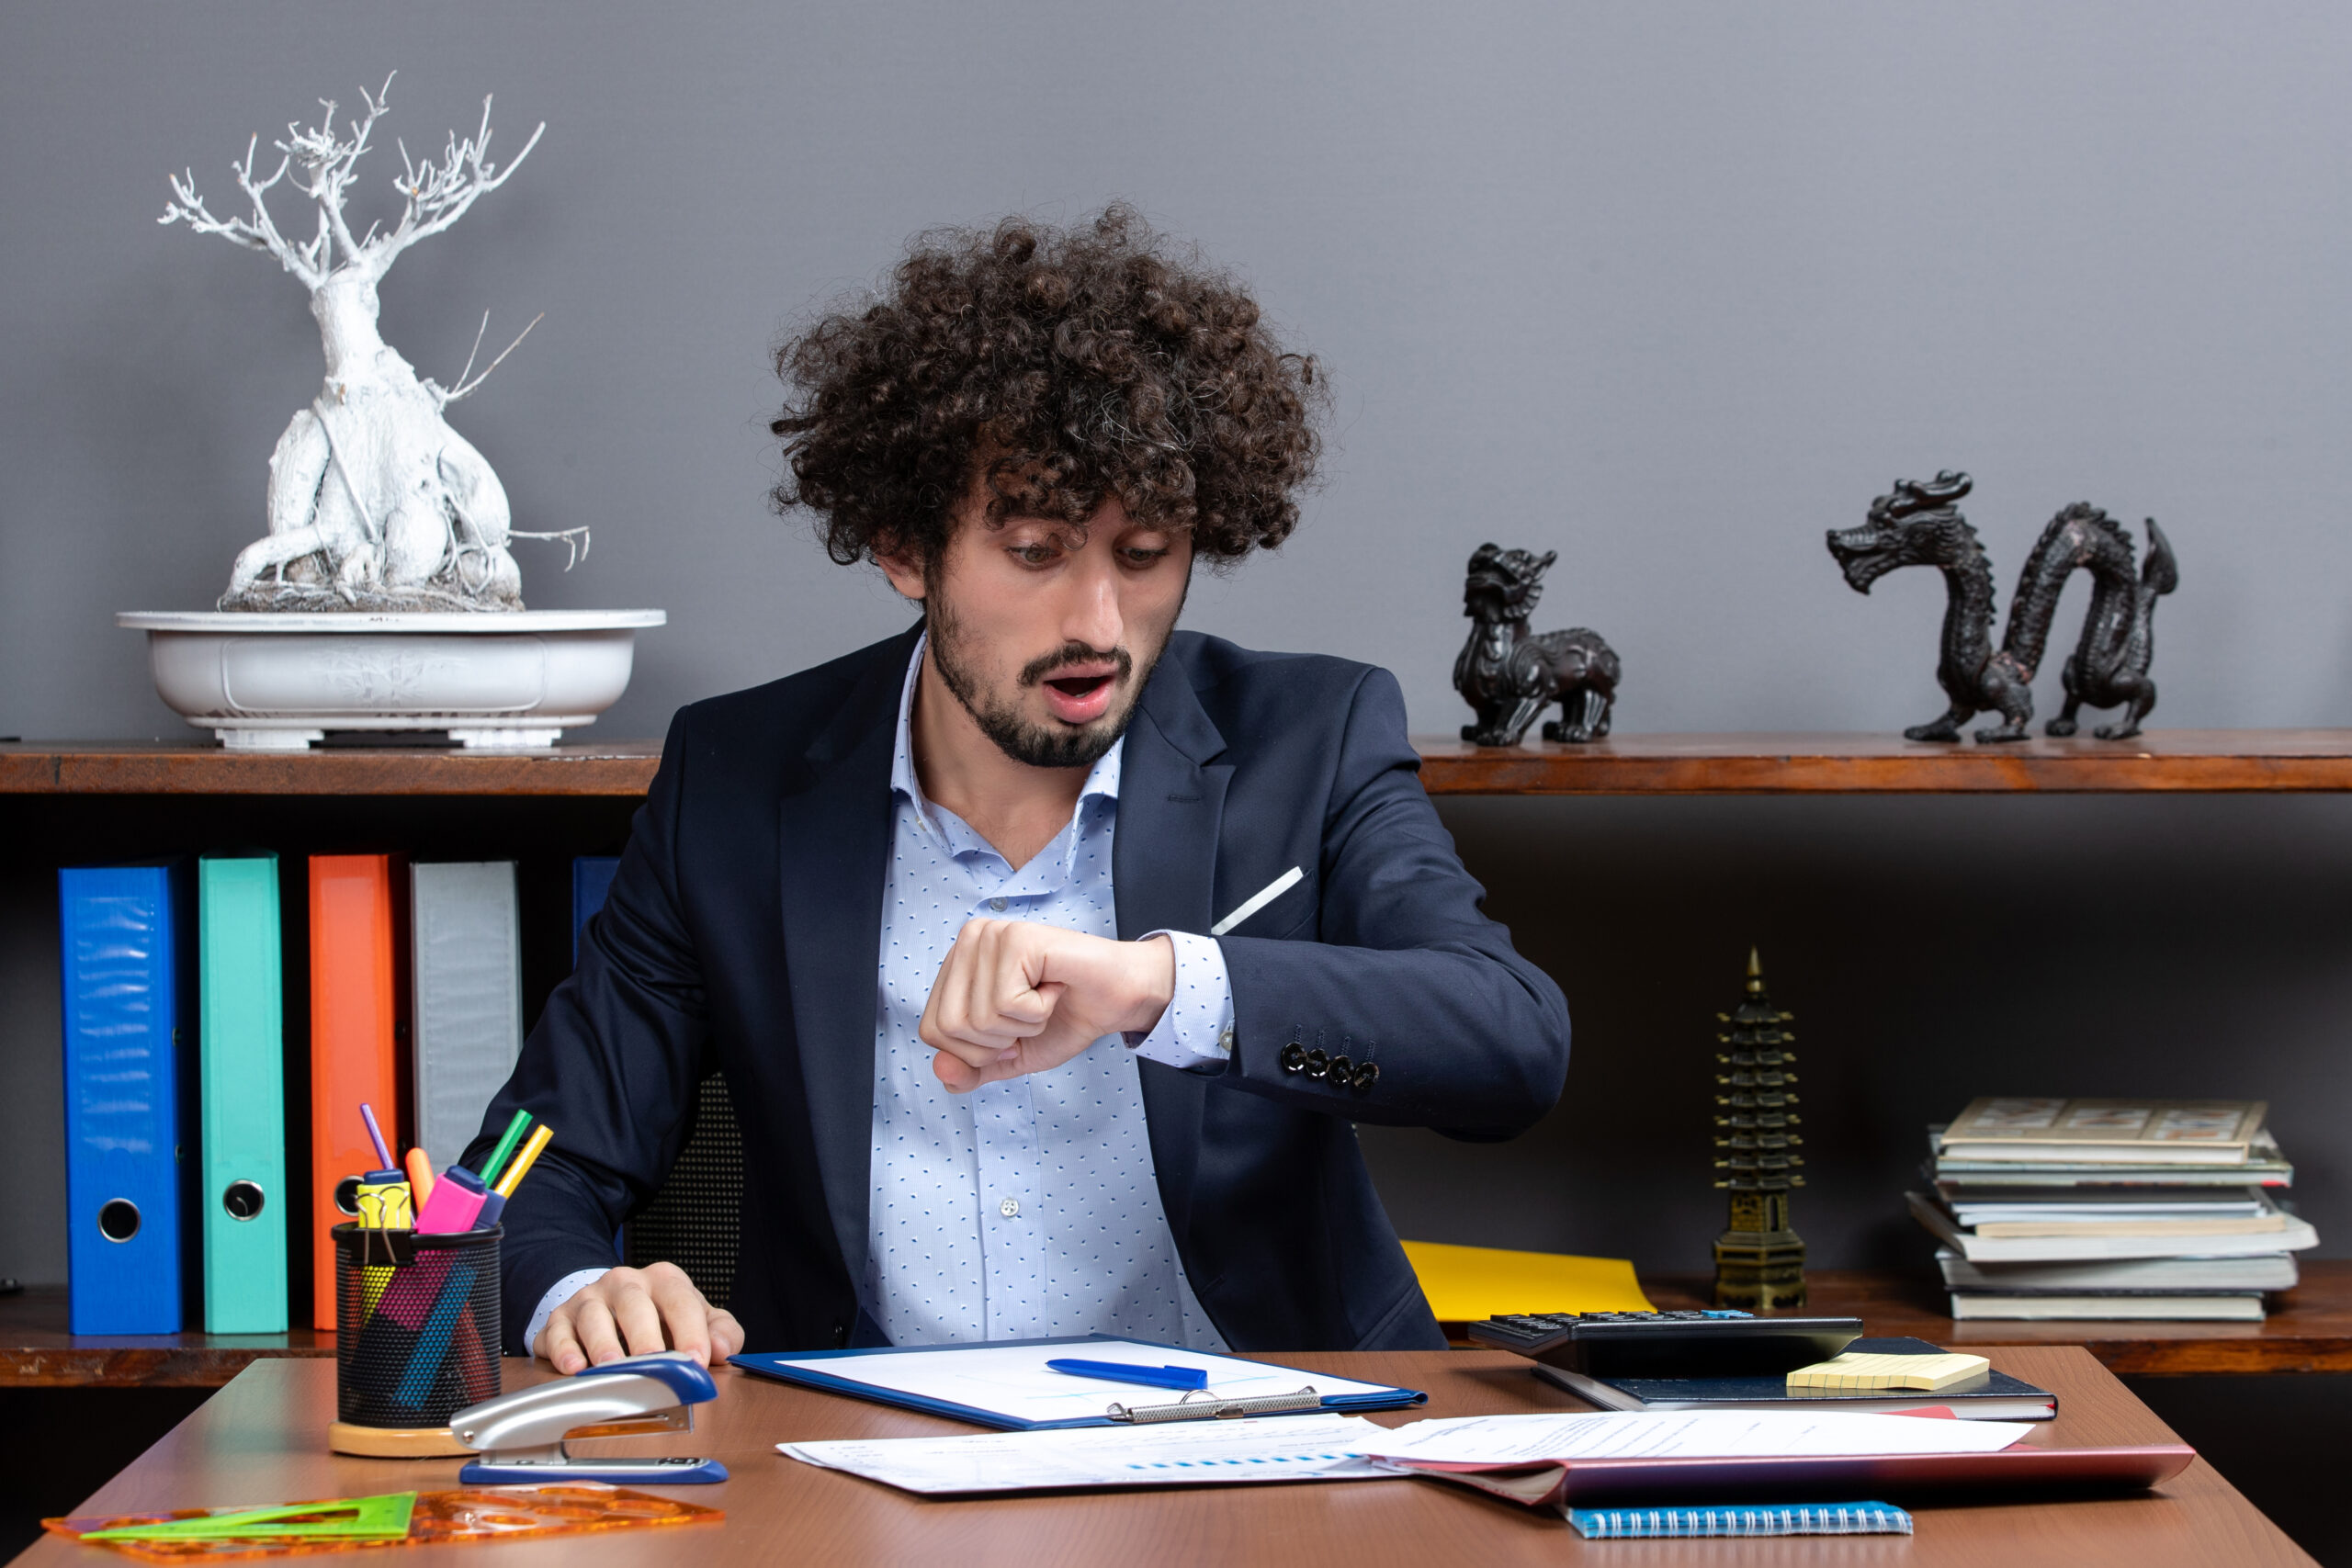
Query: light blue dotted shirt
x=1027, y=1208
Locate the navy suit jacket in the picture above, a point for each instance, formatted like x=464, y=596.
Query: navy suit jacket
x=742, y=935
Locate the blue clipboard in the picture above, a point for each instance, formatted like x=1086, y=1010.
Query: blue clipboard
x=838, y=1375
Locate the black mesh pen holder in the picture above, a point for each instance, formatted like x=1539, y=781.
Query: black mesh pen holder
x=416, y=1325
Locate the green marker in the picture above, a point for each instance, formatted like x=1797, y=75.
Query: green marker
x=505, y=1149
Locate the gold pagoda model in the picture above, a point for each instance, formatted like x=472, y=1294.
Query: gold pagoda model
x=1760, y=1260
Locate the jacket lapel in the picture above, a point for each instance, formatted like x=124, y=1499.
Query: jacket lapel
x=1163, y=867
x=835, y=844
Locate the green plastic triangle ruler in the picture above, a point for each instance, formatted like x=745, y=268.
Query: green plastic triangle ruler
x=349, y=1519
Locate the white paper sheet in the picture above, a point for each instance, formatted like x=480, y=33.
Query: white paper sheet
x=1013, y=1380
x=1709, y=1434
x=1177, y=1453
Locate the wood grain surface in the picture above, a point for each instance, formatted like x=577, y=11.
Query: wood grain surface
x=615, y=768
x=2309, y=1330
x=36, y=1351
x=261, y=1440
x=2175, y=761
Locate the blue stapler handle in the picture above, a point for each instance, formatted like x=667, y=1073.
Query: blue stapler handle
x=685, y=1377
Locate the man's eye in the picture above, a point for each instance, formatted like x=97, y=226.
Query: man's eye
x=1034, y=555
x=1140, y=559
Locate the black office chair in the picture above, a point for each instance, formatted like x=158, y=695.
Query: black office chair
x=692, y=1222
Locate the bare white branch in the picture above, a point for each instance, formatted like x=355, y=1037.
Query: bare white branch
x=257, y=232
x=575, y=542
x=328, y=161
x=439, y=194
x=465, y=387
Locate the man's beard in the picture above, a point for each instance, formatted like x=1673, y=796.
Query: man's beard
x=1050, y=745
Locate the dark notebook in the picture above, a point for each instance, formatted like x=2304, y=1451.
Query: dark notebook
x=1996, y=1397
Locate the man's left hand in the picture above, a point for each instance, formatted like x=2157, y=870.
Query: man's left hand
x=1015, y=997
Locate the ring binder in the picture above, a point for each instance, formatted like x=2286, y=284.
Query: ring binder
x=1212, y=1408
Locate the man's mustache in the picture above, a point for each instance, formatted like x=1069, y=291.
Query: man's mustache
x=1040, y=669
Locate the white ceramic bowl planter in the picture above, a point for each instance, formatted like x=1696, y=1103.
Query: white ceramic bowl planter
x=276, y=682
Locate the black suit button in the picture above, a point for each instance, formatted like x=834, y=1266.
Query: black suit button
x=1367, y=1074
x=1317, y=1064
x=1294, y=1058
x=1341, y=1071
x=841, y=1335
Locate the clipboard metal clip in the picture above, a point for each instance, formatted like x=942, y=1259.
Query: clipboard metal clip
x=1202, y=1405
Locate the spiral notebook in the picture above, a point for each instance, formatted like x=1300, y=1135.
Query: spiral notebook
x=1008, y=1385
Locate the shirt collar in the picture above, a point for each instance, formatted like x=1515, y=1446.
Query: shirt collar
x=1102, y=780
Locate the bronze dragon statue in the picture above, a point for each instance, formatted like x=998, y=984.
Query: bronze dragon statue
x=1919, y=525
x=1508, y=676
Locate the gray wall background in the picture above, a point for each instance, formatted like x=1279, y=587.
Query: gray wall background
x=1668, y=288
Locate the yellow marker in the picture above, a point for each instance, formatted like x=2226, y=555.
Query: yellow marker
x=1859, y=1372
x=541, y=1136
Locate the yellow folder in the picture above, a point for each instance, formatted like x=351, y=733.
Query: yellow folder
x=1466, y=1284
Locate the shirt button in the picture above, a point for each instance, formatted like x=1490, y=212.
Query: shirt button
x=1009, y=1208
x=997, y=903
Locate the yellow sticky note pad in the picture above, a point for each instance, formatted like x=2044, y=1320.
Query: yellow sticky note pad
x=1856, y=1372
x=1469, y=1284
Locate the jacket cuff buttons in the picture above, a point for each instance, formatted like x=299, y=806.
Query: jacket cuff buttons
x=1338, y=1071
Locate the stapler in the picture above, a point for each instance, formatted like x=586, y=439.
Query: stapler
x=520, y=1436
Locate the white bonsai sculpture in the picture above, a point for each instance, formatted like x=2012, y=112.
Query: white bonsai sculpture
x=375, y=503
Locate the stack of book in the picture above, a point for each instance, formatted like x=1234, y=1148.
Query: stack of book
x=2111, y=1209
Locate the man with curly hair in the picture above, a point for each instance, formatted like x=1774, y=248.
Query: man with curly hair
x=1051, y=953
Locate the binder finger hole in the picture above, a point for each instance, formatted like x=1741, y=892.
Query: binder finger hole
x=346, y=1196
x=118, y=1219
x=243, y=1200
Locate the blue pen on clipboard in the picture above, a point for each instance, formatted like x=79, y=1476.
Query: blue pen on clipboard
x=1185, y=1378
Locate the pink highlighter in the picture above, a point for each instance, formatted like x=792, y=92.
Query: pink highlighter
x=457, y=1198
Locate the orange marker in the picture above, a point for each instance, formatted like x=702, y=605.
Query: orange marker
x=420, y=1179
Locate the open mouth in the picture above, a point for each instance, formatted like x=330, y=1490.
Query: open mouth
x=1080, y=695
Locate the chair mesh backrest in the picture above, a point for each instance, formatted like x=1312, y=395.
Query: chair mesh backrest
x=692, y=1222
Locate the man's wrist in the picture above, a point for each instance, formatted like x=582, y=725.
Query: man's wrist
x=1155, y=961
x=1195, y=1034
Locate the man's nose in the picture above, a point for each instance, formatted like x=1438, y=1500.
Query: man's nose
x=1091, y=616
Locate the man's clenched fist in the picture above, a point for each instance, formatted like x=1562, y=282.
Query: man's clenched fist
x=1015, y=997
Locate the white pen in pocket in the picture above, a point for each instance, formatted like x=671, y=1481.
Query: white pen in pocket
x=1260, y=899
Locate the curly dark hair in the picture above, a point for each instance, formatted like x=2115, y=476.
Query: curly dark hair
x=1076, y=364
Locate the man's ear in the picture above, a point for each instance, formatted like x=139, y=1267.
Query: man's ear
x=904, y=568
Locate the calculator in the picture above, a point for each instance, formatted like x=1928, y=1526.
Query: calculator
x=1712, y=1344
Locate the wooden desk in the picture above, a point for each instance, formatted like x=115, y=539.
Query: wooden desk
x=259, y=1440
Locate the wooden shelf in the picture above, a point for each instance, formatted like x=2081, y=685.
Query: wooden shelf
x=2177, y=761
x=617, y=767
x=2164, y=761
x=36, y=1351
x=2309, y=1328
